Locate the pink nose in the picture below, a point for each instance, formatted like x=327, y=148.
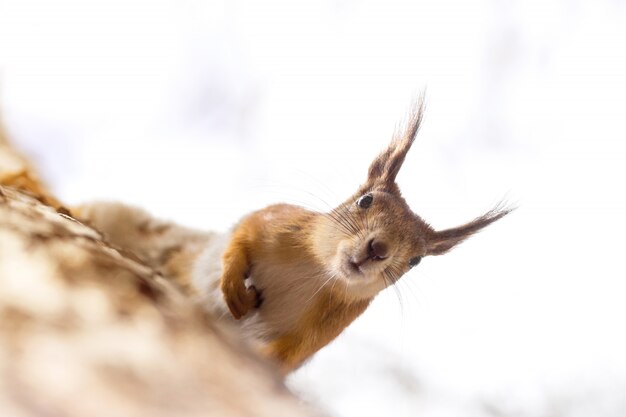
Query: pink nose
x=377, y=250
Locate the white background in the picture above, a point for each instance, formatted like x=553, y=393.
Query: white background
x=203, y=111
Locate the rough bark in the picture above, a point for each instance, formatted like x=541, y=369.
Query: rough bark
x=86, y=330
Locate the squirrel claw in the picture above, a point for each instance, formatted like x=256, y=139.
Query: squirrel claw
x=258, y=299
x=240, y=299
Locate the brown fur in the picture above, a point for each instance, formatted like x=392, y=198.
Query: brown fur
x=322, y=323
x=339, y=247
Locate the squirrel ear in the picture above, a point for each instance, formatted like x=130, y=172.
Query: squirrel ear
x=444, y=240
x=386, y=166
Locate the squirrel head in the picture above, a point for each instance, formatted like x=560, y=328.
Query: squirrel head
x=373, y=238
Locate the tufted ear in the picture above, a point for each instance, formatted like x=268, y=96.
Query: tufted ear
x=386, y=166
x=444, y=240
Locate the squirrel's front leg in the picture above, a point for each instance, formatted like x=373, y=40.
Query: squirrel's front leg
x=239, y=298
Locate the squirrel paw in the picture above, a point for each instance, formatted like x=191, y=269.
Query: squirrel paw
x=240, y=299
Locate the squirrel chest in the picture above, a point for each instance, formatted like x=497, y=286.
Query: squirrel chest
x=301, y=307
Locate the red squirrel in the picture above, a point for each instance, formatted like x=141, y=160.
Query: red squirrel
x=291, y=278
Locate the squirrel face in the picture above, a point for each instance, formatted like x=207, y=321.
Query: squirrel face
x=372, y=239
x=369, y=241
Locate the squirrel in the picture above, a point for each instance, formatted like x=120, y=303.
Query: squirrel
x=293, y=279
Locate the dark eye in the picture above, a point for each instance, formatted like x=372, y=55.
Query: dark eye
x=365, y=201
x=414, y=261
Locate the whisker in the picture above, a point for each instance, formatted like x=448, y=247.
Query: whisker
x=350, y=219
x=343, y=213
x=367, y=221
x=339, y=218
x=391, y=280
x=395, y=273
x=320, y=288
x=345, y=293
x=341, y=226
x=408, y=284
x=362, y=217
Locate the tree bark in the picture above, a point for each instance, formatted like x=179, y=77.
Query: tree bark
x=86, y=330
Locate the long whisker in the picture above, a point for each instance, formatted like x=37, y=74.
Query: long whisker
x=345, y=215
x=394, y=272
x=332, y=287
x=392, y=279
x=341, y=225
x=350, y=219
x=347, y=222
x=320, y=288
x=346, y=291
x=367, y=220
x=339, y=218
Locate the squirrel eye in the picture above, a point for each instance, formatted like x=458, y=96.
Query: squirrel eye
x=415, y=261
x=365, y=201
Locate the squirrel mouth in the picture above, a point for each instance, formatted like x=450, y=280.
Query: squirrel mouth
x=372, y=253
x=355, y=267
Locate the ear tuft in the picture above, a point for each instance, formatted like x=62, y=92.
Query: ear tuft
x=386, y=166
x=444, y=240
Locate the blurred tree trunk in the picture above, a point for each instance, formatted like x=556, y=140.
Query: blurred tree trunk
x=87, y=331
x=17, y=172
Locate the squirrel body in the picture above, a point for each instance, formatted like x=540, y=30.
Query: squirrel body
x=293, y=279
x=297, y=311
x=301, y=310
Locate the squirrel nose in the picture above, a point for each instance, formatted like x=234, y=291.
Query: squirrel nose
x=377, y=250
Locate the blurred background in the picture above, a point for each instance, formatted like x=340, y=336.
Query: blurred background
x=201, y=111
